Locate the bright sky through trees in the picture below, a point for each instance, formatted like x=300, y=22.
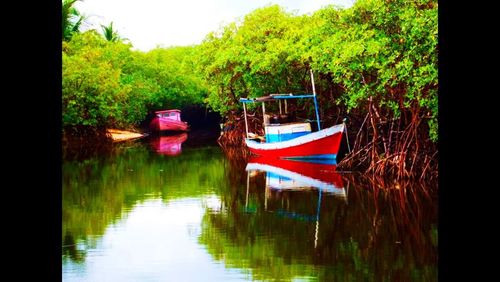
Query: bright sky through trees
x=151, y=23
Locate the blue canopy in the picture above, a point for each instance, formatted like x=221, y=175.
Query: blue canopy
x=272, y=97
x=276, y=97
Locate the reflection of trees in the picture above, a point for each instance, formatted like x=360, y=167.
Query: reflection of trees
x=408, y=209
x=378, y=234
x=99, y=191
x=70, y=248
x=384, y=231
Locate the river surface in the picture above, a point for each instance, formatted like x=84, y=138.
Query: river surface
x=160, y=210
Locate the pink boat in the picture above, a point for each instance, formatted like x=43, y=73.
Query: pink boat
x=168, y=120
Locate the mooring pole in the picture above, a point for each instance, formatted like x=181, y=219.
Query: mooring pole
x=346, y=135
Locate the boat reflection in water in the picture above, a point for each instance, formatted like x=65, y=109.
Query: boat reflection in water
x=299, y=175
x=170, y=145
x=283, y=177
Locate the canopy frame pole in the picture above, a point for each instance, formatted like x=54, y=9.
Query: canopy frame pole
x=246, y=122
x=315, y=100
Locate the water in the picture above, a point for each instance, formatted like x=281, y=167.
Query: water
x=143, y=213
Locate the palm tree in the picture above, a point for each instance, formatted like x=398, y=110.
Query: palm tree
x=71, y=19
x=110, y=34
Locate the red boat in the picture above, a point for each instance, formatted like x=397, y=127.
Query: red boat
x=299, y=175
x=314, y=145
x=292, y=140
x=168, y=120
x=169, y=145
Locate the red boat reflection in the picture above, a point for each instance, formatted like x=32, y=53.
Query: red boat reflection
x=284, y=174
x=169, y=145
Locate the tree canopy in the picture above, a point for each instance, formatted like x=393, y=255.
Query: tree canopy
x=106, y=83
x=384, y=51
x=375, y=62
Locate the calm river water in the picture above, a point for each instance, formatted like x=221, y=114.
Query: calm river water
x=158, y=210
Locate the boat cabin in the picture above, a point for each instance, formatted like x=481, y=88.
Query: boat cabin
x=283, y=132
x=278, y=127
x=170, y=114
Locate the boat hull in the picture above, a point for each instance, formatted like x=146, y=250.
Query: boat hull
x=166, y=124
x=323, y=144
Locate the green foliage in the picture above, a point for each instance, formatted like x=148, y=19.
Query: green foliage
x=106, y=84
x=91, y=90
x=247, y=59
x=71, y=19
x=109, y=33
x=380, y=50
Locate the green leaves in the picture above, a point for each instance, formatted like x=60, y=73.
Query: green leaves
x=251, y=58
x=109, y=33
x=380, y=50
x=376, y=49
x=106, y=84
x=71, y=19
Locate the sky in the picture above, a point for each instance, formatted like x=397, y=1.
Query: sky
x=148, y=24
